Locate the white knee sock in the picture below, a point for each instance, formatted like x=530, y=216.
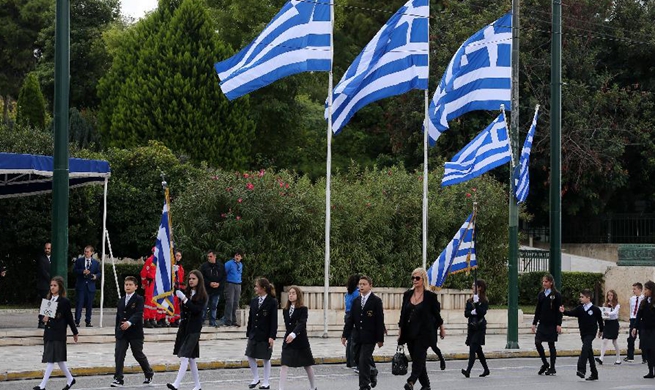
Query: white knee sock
x=283, y=377
x=617, y=350
x=194, y=373
x=46, y=375
x=66, y=371
x=603, y=348
x=267, y=372
x=311, y=377
x=184, y=363
x=252, y=362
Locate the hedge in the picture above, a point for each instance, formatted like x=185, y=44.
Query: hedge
x=572, y=284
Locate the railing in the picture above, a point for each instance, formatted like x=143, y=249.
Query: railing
x=533, y=260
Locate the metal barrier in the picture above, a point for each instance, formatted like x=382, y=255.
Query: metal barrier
x=533, y=260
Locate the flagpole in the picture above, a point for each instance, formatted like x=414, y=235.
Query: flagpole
x=328, y=182
x=170, y=225
x=425, y=160
x=512, y=309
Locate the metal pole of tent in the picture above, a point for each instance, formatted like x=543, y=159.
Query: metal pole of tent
x=102, y=262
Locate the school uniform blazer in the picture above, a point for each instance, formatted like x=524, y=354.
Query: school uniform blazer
x=296, y=323
x=86, y=282
x=646, y=324
x=43, y=273
x=133, y=313
x=547, y=311
x=262, y=321
x=366, y=324
x=589, y=322
x=423, y=319
x=191, y=316
x=55, y=328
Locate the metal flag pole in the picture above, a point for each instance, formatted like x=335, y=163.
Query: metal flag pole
x=170, y=225
x=425, y=162
x=555, y=261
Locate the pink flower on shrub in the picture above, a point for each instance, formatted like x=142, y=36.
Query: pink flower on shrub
x=473, y=189
x=250, y=186
x=468, y=194
x=228, y=189
x=223, y=215
x=214, y=177
x=286, y=186
x=281, y=183
x=239, y=200
x=261, y=173
x=245, y=175
x=238, y=218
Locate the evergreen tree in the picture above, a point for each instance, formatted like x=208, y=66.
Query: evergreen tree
x=162, y=86
x=30, y=110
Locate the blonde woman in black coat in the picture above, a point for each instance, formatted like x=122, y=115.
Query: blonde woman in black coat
x=54, y=335
x=187, y=342
x=296, y=351
x=261, y=332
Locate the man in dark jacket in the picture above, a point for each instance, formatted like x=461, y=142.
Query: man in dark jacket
x=43, y=275
x=214, y=274
x=366, y=323
x=129, y=332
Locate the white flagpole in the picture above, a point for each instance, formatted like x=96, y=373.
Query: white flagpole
x=328, y=175
x=425, y=161
x=102, y=261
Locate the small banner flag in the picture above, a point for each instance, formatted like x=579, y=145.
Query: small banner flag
x=458, y=256
x=163, y=294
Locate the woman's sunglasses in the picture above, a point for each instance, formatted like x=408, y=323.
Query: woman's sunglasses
x=416, y=278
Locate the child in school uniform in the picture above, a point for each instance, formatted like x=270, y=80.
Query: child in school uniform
x=261, y=331
x=547, y=323
x=590, y=322
x=54, y=335
x=645, y=323
x=129, y=332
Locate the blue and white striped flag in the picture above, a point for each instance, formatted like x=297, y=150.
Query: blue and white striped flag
x=522, y=180
x=479, y=77
x=163, y=279
x=491, y=148
x=458, y=256
x=298, y=39
x=395, y=61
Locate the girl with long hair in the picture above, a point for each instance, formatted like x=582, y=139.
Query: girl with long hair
x=54, y=334
x=476, y=309
x=261, y=331
x=296, y=351
x=611, y=330
x=646, y=325
x=352, y=293
x=547, y=323
x=187, y=342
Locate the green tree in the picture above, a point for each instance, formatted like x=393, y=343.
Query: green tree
x=162, y=86
x=30, y=110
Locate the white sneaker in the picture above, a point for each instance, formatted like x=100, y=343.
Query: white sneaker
x=617, y=362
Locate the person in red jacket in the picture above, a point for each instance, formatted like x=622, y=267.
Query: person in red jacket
x=148, y=274
x=174, y=320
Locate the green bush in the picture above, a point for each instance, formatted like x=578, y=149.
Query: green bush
x=572, y=284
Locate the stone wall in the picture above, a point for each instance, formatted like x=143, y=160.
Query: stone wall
x=620, y=279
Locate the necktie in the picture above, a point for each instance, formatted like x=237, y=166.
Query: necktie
x=88, y=264
x=261, y=300
x=363, y=301
x=127, y=299
x=634, y=312
x=291, y=309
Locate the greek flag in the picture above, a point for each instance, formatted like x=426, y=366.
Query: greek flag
x=479, y=77
x=298, y=39
x=522, y=180
x=488, y=150
x=394, y=61
x=458, y=256
x=163, y=280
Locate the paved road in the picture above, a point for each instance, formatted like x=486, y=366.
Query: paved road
x=506, y=374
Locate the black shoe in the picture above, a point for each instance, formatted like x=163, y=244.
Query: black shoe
x=649, y=376
x=148, y=380
x=426, y=388
x=175, y=324
x=147, y=324
x=466, y=373
x=442, y=364
x=77, y=324
x=598, y=361
x=67, y=387
x=485, y=373
x=543, y=369
x=117, y=383
x=409, y=386
x=253, y=385
x=592, y=377
x=374, y=380
x=37, y=388
x=89, y=325
x=551, y=371
x=170, y=386
x=265, y=387
x=580, y=374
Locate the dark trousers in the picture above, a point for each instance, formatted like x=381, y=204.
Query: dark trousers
x=363, y=357
x=137, y=351
x=648, y=355
x=43, y=294
x=437, y=350
x=542, y=353
x=587, y=354
x=631, y=340
x=419, y=353
x=476, y=349
x=212, y=306
x=84, y=299
x=232, y=295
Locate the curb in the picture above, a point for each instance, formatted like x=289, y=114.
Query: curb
x=228, y=364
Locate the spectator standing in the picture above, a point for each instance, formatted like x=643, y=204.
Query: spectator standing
x=88, y=273
x=43, y=276
x=214, y=274
x=352, y=293
x=635, y=300
x=233, y=271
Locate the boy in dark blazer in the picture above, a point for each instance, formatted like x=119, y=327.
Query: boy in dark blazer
x=87, y=270
x=590, y=322
x=129, y=332
x=366, y=323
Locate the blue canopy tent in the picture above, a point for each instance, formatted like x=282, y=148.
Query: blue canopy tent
x=26, y=175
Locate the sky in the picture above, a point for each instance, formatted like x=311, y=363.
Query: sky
x=137, y=8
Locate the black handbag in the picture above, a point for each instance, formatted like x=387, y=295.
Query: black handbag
x=399, y=362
